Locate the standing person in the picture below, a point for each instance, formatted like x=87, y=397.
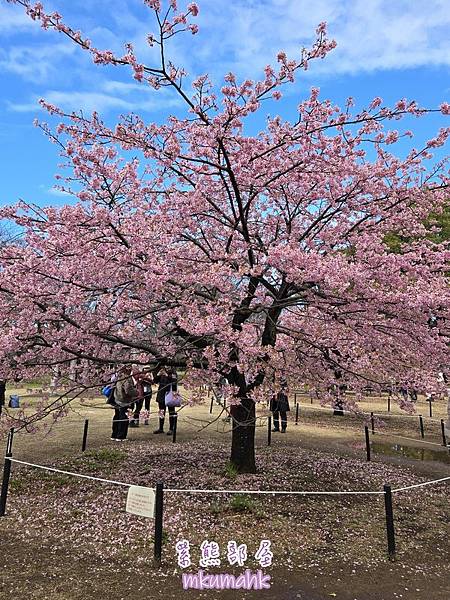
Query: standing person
x=144, y=382
x=279, y=406
x=166, y=380
x=125, y=394
x=2, y=394
x=148, y=380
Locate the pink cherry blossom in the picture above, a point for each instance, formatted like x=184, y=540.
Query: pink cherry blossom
x=245, y=258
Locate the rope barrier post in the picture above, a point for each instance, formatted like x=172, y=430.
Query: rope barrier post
x=296, y=414
x=174, y=431
x=9, y=441
x=372, y=421
x=422, y=433
x=389, y=521
x=366, y=430
x=444, y=439
x=6, y=473
x=85, y=432
x=211, y=405
x=430, y=400
x=159, y=511
x=269, y=430
x=389, y=403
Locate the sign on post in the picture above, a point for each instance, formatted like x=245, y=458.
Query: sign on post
x=141, y=501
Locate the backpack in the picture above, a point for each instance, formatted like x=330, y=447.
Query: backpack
x=108, y=391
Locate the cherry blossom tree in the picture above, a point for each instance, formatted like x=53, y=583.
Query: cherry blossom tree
x=251, y=257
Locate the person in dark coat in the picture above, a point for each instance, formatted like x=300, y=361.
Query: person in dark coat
x=2, y=394
x=167, y=380
x=279, y=406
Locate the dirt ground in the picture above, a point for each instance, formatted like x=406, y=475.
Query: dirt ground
x=70, y=539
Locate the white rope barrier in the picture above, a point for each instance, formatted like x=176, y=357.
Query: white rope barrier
x=361, y=413
x=267, y=492
x=403, y=437
x=45, y=468
x=23, y=429
x=404, y=416
x=410, y=487
x=248, y=492
x=185, y=491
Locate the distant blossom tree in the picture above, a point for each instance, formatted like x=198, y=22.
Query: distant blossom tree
x=249, y=257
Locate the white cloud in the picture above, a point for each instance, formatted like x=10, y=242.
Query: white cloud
x=111, y=96
x=35, y=63
x=238, y=35
x=13, y=18
x=53, y=191
x=244, y=35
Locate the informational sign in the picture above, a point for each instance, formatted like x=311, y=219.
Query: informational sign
x=141, y=501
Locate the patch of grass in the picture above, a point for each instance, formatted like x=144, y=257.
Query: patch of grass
x=99, y=459
x=242, y=503
x=230, y=471
x=18, y=485
x=55, y=480
x=108, y=455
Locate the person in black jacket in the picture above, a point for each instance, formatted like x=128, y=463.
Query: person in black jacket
x=279, y=405
x=166, y=380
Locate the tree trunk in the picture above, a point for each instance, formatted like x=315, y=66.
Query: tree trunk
x=243, y=436
x=339, y=391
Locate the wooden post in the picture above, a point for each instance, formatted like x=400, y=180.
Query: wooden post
x=389, y=521
x=444, y=439
x=296, y=413
x=372, y=422
x=430, y=400
x=269, y=430
x=159, y=511
x=366, y=430
x=6, y=472
x=85, y=432
x=174, y=431
x=422, y=432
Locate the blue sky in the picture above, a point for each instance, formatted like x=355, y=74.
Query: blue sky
x=387, y=48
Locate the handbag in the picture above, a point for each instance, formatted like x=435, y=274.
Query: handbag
x=172, y=399
x=108, y=391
